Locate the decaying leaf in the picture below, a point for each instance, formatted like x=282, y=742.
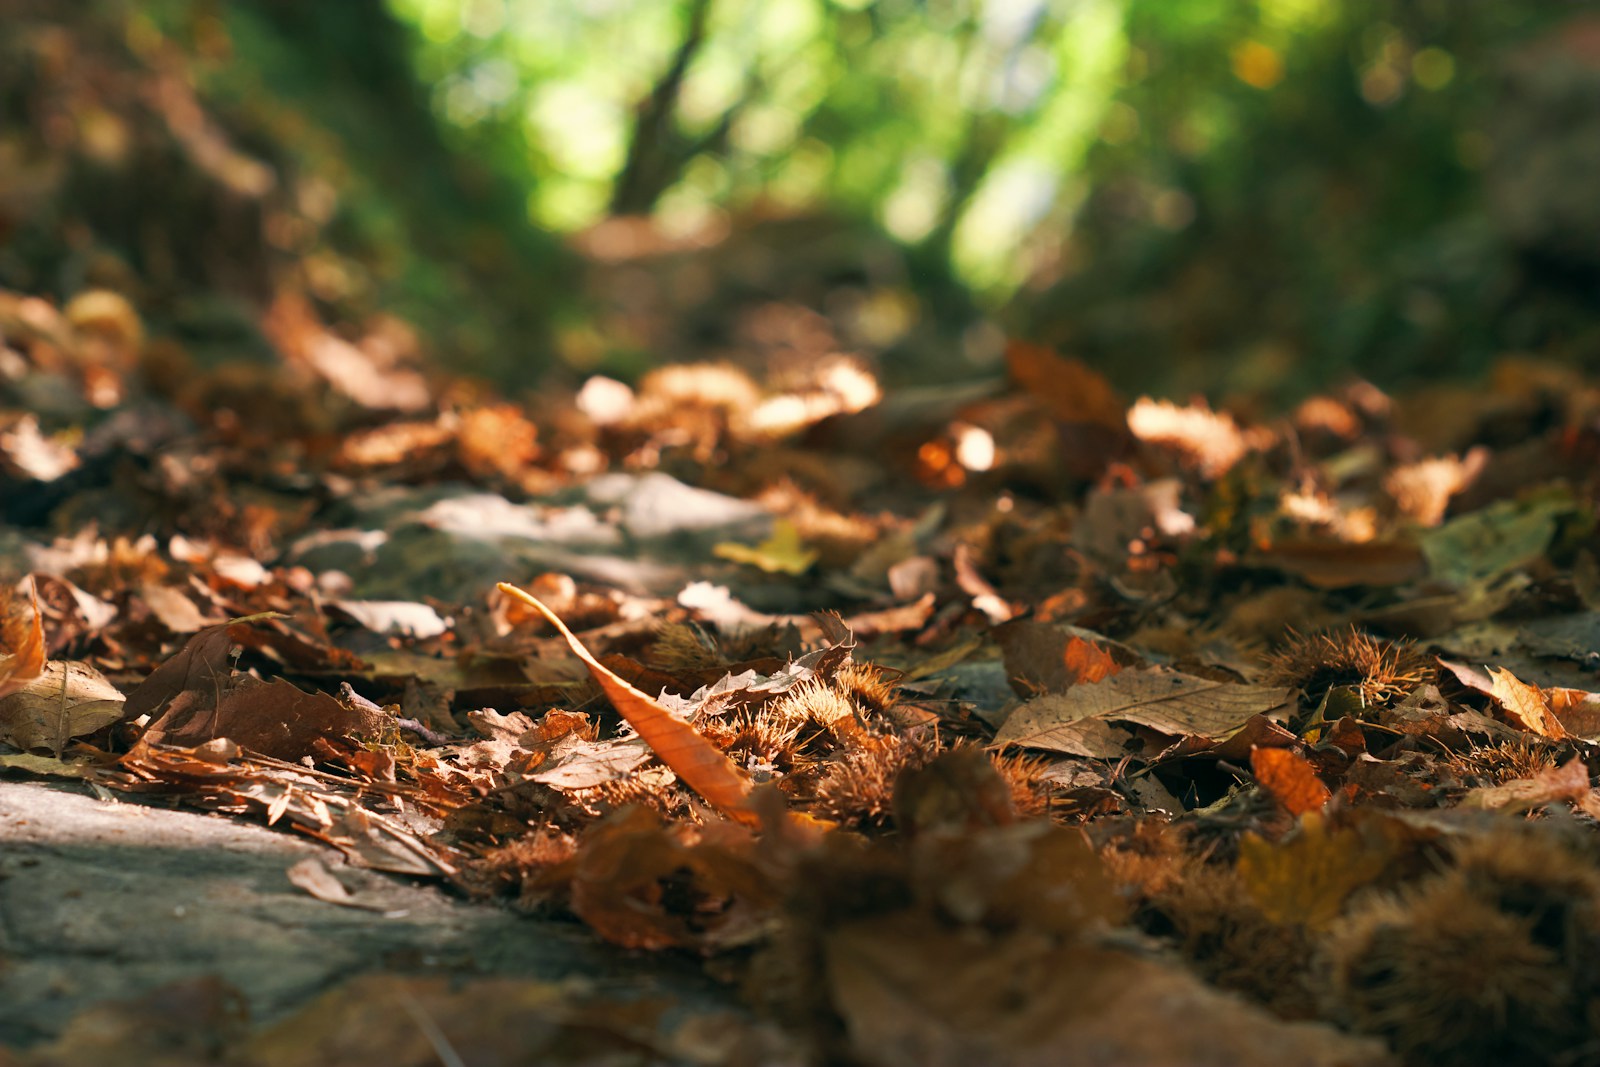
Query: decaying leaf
x=309, y=874
x=66, y=700
x=1340, y=564
x=271, y=718
x=1307, y=877
x=1499, y=538
x=197, y=674
x=643, y=884
x=1044, y=658
x=1524, y=705
x=701, y=765
x=1567, y=783
x=914, y=995
x=1164, y=700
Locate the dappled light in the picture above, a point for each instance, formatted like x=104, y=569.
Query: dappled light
x=873, y=532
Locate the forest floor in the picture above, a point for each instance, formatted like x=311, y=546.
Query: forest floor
x=1010, y=723
x=768, y=708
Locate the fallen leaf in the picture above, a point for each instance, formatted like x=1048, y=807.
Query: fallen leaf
x=898, y=619
x=175, y=610
x=1179, y=705
x=641, y=883
x=1038, y=658
x=273, y=718
x=68, y=699
x=24, y=635
x=1088, y=662
x=309, y=874
x=1306, y=877
x=1339, y=564
x=1504, y=536
x=703, y=767
x=583, y=764
x=1525, y=706
x=410, y=1021
x=46, y=766
x=1289, y=779
x=404, y=617
x=200, y=667
x=913, y=993
x=1568, y=782
x=781, y=553
x=1209, y=441
x=975, y=585
x=1578, y=710
x=1070, y=389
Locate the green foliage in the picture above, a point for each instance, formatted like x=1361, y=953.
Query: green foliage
x=1251, y=187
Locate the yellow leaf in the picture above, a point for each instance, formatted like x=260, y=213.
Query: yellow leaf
x=782, y=553
x=1305, y=878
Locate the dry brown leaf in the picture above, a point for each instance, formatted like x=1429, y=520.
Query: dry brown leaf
x=1525, y=705
x=1577, y=709
x=68, y=699
x=309, y=874
x=1291, y=781
x=175, y=610
x=1038, y=659
x=1179, y=705
x=1338, y=564
x=641, y=883
x=273, y=718
x=1568, y=782
x=576, y=764
x=1088, y=662
x=984, y=596
x=1209, y=441
x=406, y=1021
x=1069, y=389
x=703, y=767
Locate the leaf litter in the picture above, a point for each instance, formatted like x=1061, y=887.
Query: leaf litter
x=1030, y=724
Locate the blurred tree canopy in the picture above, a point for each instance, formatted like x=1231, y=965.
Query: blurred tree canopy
x=1262, y=192
x=1197, y=195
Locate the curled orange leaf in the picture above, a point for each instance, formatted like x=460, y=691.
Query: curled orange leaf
x=703, y=767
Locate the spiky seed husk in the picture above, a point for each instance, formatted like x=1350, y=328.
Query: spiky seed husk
x=1030, y=793
x=1381, y=671
x=1526, y=871
x=857, y=787
x=1451, y=980
x=867, y=686
x=679, y=647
